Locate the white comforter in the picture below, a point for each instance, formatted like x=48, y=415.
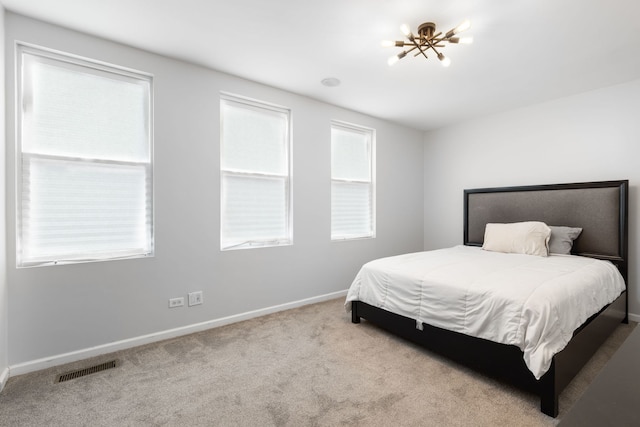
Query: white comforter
x=535, y=303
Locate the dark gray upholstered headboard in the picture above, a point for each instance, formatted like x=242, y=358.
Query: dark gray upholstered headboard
x=600, y=208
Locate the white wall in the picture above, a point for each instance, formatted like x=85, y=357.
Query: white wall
x=4, y=304
x=593, y=136
x=73, y=308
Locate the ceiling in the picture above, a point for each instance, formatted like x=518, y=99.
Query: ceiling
x=524, y=51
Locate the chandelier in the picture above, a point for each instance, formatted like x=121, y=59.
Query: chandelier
x=426, y=39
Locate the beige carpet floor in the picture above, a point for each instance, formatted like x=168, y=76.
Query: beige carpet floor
x=304, y=367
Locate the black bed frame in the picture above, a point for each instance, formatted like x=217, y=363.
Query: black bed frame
x=601, y=209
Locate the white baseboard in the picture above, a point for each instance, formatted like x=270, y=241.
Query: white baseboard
x=4, y=377
x=61, y=359
x=634, y=318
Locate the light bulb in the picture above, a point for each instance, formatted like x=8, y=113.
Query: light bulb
x=462, y=27
x=387, y=43
x=396, y=58
x=444, y=60
x=405, y=29
x=465, y=40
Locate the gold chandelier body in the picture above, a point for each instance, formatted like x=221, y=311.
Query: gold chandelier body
x=426, y=39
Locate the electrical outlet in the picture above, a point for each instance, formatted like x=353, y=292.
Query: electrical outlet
x=195, y=298
x=176, y=302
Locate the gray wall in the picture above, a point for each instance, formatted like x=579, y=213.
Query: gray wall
x=587, y=137
x=55, y=310
x=4, y=304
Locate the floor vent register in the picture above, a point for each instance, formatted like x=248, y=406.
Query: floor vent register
x=86, y=371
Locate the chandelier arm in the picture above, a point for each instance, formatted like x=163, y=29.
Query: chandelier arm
x=412, y=48
x=436, y=40
x=419, y=47
x=435, y=36
x=432, y=46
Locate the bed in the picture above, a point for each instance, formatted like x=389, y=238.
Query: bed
x=598, y=208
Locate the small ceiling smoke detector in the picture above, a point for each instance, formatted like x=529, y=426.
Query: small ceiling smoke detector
x=330, y=82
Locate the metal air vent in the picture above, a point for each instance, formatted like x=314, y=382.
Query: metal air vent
x=86, y=371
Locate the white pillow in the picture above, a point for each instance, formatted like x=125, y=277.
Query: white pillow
x=530, y=238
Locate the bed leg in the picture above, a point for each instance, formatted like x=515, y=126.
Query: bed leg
x=549, y=405
x=354, y=312
x=548, y=392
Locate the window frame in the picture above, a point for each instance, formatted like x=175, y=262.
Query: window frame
x=239, y=101
x=370, y=133
x=99, y=68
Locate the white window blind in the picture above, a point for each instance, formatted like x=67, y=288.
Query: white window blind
x=255, y=174
x=84, y=160
x=352, y=182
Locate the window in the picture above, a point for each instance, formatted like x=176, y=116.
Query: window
x=352, y=182
x=84, y=160
x=255, y=174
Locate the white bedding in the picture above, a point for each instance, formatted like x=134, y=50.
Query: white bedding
x=535, y=303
